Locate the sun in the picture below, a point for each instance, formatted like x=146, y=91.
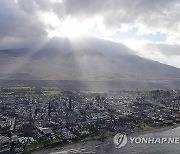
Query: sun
x=66, y=28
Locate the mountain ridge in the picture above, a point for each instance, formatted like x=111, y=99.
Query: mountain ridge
x=85, y=61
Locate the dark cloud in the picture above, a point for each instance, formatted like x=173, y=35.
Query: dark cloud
x=18, y=26
x=115, y=13
x=20, y=18
x=31, y=6
x=86, y=8
x=20, y=23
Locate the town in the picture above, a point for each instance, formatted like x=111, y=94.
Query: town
x=34, y=118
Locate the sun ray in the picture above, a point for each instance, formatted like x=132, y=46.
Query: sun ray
x=18, y=64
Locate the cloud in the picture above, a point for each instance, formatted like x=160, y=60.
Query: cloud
x=158, y=15
x=117, y=15
x=162, y=52
x=164, y=49
x=18, y=26
x=21, y=25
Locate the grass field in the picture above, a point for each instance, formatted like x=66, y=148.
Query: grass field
x=25, y=91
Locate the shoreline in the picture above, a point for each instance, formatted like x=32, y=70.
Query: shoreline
x=82, y=143
x=155, y=130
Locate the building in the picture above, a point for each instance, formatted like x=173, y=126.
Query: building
x=4, y=145
x=45, y=132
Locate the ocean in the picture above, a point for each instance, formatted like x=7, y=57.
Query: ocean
x=108, y=146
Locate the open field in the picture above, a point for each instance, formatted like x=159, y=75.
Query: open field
x=25, y=91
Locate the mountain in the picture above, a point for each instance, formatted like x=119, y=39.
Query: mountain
x=87, y=60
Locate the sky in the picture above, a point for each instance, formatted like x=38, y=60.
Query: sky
x=151, y=28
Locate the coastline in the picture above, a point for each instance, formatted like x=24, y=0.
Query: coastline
x=96, y=142
x=155, y=130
